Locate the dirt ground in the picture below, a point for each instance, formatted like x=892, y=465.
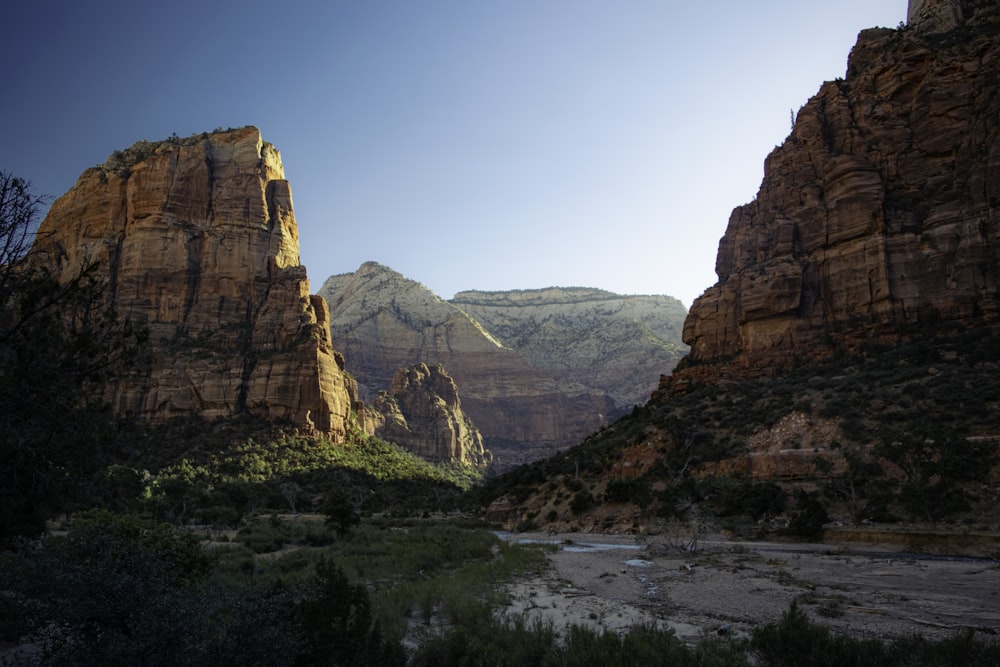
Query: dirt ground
x=608, y=581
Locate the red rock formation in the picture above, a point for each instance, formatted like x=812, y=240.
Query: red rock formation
x=879, y=215
x=198, y=241
x=538, y=370
x=423, y=413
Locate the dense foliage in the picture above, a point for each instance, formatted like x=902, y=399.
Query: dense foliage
x=292, y=473
x=58, y=344
x=117, y=589
x=915, y=421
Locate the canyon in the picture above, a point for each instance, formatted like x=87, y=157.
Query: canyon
x=843, y=365
x=195, y=241
x=537, y=370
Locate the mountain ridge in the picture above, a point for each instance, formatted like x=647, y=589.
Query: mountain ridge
x=524, y=407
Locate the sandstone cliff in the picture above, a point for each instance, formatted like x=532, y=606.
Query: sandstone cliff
x=423, y=413
x=197, y=240
x=877, y=217
x=588, y=336
x=846, y=359
x=527, y=399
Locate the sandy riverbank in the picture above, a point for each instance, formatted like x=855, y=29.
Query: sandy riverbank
x=731, y=587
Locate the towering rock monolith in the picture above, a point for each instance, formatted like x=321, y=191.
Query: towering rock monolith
x=196, y=240
x=422, y=412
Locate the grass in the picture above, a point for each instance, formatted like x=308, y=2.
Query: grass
x=420, y=573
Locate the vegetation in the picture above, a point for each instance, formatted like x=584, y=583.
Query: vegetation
x=238, y=542
x=118, y=589
x=794, y=641
x=909, y=419
x=294, y=473
x=58, y=344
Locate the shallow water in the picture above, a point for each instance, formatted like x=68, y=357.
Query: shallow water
x=571, y=547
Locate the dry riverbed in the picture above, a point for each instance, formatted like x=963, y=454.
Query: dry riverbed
x=608, y=581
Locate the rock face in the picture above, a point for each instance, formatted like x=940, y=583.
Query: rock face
x=877, y=217
x=423, y=413
x=197, y=240
x=586, y=336
x=538, y=370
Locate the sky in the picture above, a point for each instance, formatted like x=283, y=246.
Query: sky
x=467, y=144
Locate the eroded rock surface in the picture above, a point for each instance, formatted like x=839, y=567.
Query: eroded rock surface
x=197, y=240
x=877, y=217
x=538, y=370
x=423, y=413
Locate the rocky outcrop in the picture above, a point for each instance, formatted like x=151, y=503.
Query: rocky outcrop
x=537, y=372
x=586, y=336
x=197, y=241
x=423, y=413
x=877, y=217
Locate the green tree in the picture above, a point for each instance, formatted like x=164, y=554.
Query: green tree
x=938, y=465
x=118, y=590
x=809, y=516
x=340, y=513
x=336, y=619
x=59, y=345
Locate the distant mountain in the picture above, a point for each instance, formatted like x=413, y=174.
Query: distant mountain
x=538, y=370
x=589, y=336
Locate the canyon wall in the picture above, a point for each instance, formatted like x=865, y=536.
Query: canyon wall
x=877, y=218
x=538, y=370
x=196, y=240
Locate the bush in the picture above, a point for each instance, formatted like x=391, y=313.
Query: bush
x=810, y=516
x=795, y=641
x=742, y=496
x=628, y=491
x=116, y=590
x=336, y=619
x=581, y=502
x=487, y=641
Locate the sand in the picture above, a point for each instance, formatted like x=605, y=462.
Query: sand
x=726, y=587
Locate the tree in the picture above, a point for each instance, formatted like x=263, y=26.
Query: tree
x=60, y=344
x=938, y=465
x=809, y=517
x=337, y=621
x=120, y=590
x=340, y=513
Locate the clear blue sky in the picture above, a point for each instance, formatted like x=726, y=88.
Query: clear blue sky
x=468, y=144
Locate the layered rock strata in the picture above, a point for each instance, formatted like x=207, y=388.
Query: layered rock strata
x=877, y=217
x=538, y=370
x=586, y=336
x=422, y=412
x=197, y=240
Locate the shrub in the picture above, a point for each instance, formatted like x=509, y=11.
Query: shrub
x=336, y=619
x=581, y=502
x=810, y=516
